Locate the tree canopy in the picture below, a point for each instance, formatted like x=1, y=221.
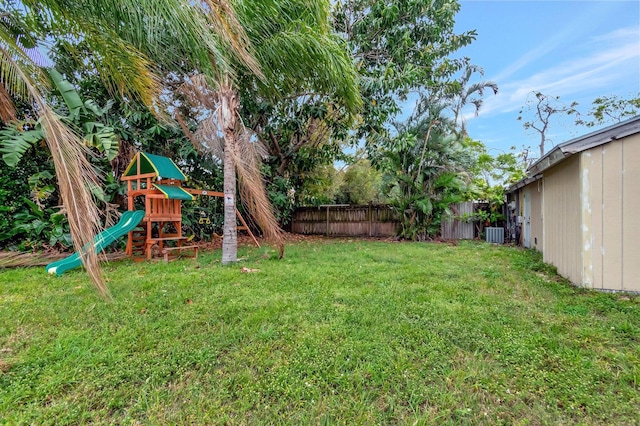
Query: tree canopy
x=296, y=84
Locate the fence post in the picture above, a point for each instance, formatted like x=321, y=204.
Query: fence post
x=370, y=220
x=327, y=221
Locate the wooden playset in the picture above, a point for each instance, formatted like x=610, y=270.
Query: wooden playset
x=159, y=181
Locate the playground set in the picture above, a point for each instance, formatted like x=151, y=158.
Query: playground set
x=156, y=182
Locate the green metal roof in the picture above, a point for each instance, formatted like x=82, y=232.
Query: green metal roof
x=162, y=166
x=173, y=192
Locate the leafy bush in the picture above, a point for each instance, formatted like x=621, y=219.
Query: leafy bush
x=29, y=217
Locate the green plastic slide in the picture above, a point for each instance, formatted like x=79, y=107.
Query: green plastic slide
x=128, y=221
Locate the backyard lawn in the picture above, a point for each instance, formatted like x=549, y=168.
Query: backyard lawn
x=337, y=332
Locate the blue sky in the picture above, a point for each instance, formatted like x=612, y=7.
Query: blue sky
x=577, y=50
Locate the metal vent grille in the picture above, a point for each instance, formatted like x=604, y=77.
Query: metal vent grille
x=494, y=235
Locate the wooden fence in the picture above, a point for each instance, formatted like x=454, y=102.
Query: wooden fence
x=370, y=221
x=453, y=229
x=346, y=220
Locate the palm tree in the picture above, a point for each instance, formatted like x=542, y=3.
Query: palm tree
x=297, y=53
x=123, y=36
x=128, y=39
x=465, y=94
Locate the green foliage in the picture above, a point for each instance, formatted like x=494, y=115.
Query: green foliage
x=610, y=109
x=491, y=175
x=461, y=93
x=361, y=184
x=299, y=54
x=42, y=186
x=16, y=139
x=394, y=53
x=35, y=225
x=34, y=222
x=202, y=218
x=302, y=109
x=414, y=333
x=45, y=225
x=301, y=134
x=137, y=129
x=282, y=196
x=18, y=136
x=426, y=169
x=357, y=183
x=399, y=47
x=82, y=115
x=321, y=186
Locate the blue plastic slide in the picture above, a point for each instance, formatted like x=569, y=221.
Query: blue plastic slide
x=128, y=221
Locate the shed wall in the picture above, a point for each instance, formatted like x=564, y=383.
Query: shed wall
x=611, y=175
x=535, y=193
x=562, y=239
x=537, y=215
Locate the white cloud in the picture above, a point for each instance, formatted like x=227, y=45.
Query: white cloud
x=560, y=36
x=614, y=57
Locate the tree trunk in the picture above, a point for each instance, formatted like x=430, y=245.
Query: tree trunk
x=230, y=232
x=227, y=116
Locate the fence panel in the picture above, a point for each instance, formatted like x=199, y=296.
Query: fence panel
x=454, y=229
x=345, y=220
x=370, y=220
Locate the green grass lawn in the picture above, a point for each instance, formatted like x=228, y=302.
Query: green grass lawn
x=337, y=332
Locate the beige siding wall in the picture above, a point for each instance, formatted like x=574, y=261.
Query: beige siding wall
x=537, y=215
x=562, y=215
x=631, y=214
x=611, y=189
x=535, y=191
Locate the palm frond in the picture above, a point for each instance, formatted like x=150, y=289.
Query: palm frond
x=327, y=67
x=15, y=66
x=208, y=138
x=74, y=172
x=123, y=69
x=14, y=143
x=198, y=91
x=253, y=193
x=298, y=51
x=223, y=17
x=122, y=36
x=75, y=176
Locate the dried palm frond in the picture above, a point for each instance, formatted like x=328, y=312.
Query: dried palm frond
x=75, y=174
x=208, y=137
x=197, y=90
x=14, y=64
x=247, y=156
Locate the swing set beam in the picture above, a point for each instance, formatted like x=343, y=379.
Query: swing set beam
x=207, y=193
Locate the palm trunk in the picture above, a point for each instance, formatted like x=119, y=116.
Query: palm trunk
x=227, y=113
x=230, y=232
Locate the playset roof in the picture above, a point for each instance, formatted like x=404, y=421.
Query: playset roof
x=173, y=192
x=163, y=167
